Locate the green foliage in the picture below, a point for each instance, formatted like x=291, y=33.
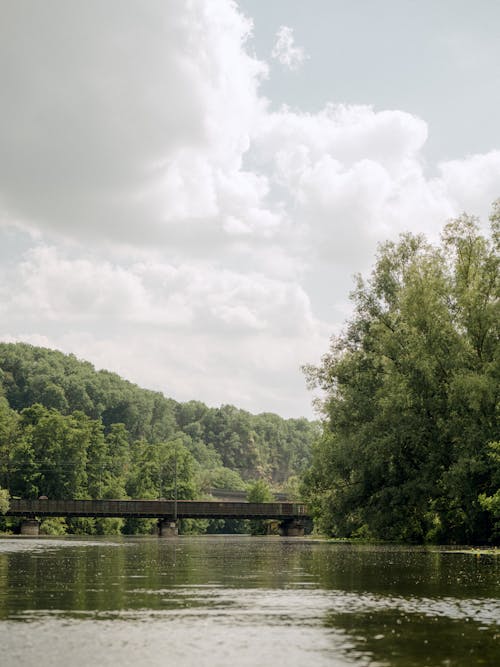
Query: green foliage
x=412, y=395
x=220, y=478
x=9, y=420
x=109, y=526
x=81, y=525
x=193, y=526
x=135, y=526
x=53, y=526
x=259, y=492
x=163, y=470
x=4, y=501
x=293, y=488
x=491, y=503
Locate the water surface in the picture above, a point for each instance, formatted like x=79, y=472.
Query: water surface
x=220, y=601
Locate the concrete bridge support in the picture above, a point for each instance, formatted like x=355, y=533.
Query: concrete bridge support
x=167, y=528
x=292, y=528
x=30, y=527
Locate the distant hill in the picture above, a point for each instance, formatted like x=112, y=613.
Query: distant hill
x=253, y=446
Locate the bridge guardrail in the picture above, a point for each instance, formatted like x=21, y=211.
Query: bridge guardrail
x=156, y=509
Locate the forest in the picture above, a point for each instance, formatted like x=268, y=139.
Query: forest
x=69, y=431
x=410, y=445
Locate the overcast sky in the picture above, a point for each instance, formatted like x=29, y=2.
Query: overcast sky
x=187, y=188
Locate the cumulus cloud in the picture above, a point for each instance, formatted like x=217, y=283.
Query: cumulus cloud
x=348, y=171
x=112, y=108
x=58, y=288
x=473, y=183
x=285, y=51
x=182, y=232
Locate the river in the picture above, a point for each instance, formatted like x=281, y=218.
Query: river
x=236, y=601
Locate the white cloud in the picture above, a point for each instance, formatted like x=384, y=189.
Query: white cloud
x=472, y=183
x=285, y=51
x=183, y=234
x=348, y=173
x=192, y=295
x=119, y=118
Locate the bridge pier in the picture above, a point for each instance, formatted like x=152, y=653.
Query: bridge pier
x=292, y=528
x=30, y=527
x=168, y=528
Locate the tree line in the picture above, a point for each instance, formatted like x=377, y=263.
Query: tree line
x=409, y=449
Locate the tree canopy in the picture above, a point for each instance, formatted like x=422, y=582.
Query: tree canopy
x=411, y=395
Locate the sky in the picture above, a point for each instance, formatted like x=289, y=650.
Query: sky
x=187, y=188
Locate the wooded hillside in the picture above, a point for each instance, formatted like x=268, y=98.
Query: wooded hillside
x=67, y=430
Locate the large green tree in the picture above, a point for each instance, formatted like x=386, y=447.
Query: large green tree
x=412, y=395
x=56, y=455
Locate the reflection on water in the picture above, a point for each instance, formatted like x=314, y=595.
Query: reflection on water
x=219, y=601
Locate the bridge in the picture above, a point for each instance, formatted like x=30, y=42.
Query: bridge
x=290, y=515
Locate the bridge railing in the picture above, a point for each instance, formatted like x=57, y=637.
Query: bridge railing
x=183, y=509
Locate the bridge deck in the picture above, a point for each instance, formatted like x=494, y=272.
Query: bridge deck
x=186, y=509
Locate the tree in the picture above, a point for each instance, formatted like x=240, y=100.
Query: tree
x=259, y=492
x=491, y=503
x=4, y=501
x=412, y=394
x=161, y=470
x=9, y=432
x=61, y=456
x=117, y=462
